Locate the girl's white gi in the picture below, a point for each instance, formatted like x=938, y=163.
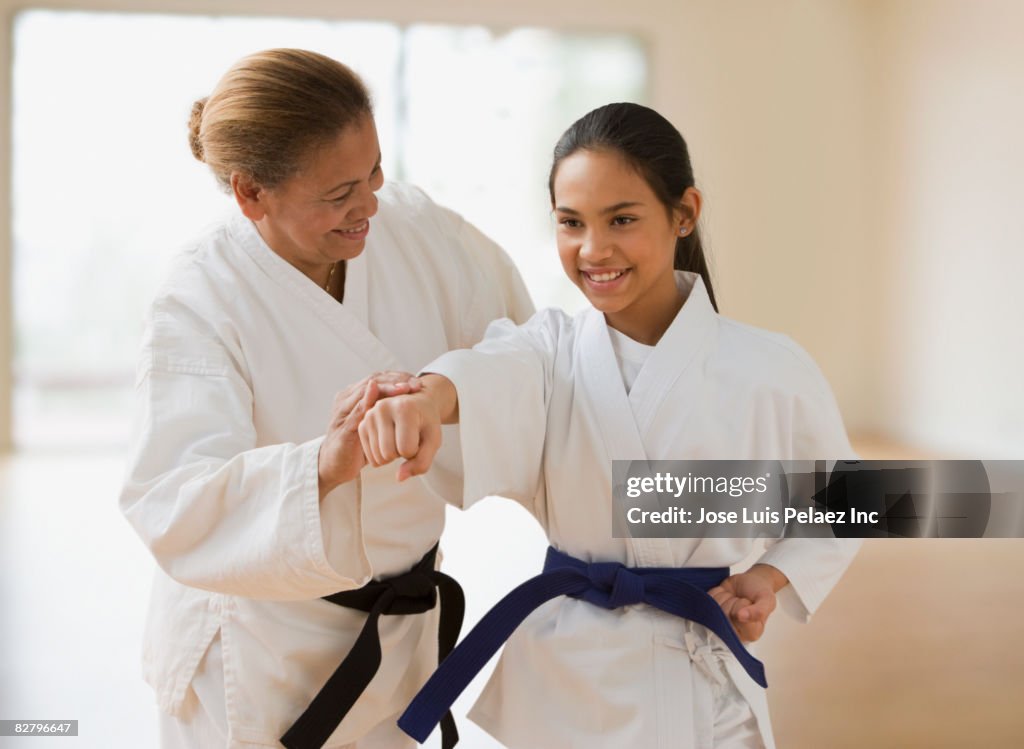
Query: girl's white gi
x=241, y=359
x=543, y=411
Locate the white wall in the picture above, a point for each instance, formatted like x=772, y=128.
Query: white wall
x=6, y=305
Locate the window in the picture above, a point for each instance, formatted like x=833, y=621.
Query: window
x=106, y=190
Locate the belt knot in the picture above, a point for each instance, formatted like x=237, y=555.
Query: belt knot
x=415, y=592
x=619, y=586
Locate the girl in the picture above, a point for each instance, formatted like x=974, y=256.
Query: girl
x=649, y=372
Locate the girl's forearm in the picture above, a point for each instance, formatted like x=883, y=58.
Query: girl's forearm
x=442, y=392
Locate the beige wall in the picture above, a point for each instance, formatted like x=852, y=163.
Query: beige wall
x=769, y=94
x=950, y=77
x=773, y=98
x=861, y=182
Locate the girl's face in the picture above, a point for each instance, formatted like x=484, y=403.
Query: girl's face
x=617, y=243
x=322, y=214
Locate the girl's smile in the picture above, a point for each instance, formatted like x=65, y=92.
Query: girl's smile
x=604, y=280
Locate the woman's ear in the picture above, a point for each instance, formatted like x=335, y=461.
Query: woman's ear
x=251, y=198
x=688, y=212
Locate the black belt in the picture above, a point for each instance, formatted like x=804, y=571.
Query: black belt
x=414, y=592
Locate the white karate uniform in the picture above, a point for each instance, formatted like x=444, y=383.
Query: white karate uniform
x=575, y=675
x=240, y=362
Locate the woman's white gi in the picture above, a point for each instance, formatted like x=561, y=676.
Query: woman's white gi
x=543, y=412
x=241, y=359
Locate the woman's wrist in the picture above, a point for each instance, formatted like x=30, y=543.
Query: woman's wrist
x=441, y=391
x=325, y=484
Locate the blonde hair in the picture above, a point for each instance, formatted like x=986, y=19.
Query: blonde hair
x=271, y=110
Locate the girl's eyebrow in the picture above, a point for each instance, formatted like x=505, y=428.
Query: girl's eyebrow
x=609, y=209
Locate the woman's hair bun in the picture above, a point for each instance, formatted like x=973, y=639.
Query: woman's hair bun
x=270, y=111
x=195, y=120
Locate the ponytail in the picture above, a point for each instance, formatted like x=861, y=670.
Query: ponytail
x=690, y=257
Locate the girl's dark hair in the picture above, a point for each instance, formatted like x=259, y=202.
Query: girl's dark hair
x=652, y=146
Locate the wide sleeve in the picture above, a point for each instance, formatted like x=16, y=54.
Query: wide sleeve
x=216, y=510
x=813, y=565
x=487, y=287
x=503, y=385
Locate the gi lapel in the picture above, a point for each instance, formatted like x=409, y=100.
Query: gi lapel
x=602, y=386
x=605, y=394
x=357, y=283
x=689, y=334
x=348, y=321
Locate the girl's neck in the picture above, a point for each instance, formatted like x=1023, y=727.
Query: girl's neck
x=647, y=319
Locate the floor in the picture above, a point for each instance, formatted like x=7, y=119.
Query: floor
x=915, y=648
x=74, y=582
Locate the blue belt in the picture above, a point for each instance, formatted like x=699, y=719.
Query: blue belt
x=610, y=585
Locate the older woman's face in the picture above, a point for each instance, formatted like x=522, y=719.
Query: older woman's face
x=322, y=214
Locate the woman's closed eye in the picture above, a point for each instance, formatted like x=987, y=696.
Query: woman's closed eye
x=342, y=198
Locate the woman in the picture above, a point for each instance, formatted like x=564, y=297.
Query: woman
x=252, y=509
x=615, y=645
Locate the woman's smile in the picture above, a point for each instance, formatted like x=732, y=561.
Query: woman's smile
x=356, y=233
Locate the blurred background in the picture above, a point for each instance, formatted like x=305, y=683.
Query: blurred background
x=863, y=183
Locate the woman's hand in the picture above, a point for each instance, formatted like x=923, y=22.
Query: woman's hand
x=389, y=384
x=341, y=454
x=748, y=599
